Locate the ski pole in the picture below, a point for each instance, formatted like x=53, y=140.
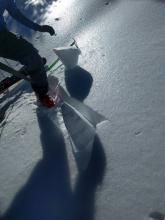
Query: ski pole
x=12, y=71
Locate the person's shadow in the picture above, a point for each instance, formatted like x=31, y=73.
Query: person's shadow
x=47, y=195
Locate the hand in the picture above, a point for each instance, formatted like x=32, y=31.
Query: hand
x=47, y=28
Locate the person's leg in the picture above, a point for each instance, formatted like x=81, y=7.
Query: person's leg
x=16, y=48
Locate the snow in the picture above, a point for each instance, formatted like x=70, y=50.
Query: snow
x=122, y=46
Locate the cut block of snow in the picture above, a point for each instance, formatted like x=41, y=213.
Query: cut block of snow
x=68, y=56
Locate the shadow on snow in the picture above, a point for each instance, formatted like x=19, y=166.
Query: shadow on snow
x=78, y=82
x=47, y=194
x=35, y=12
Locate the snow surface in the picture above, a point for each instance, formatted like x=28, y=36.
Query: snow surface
x=122, y=44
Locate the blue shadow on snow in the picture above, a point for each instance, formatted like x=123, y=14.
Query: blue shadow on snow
x=47, y=195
